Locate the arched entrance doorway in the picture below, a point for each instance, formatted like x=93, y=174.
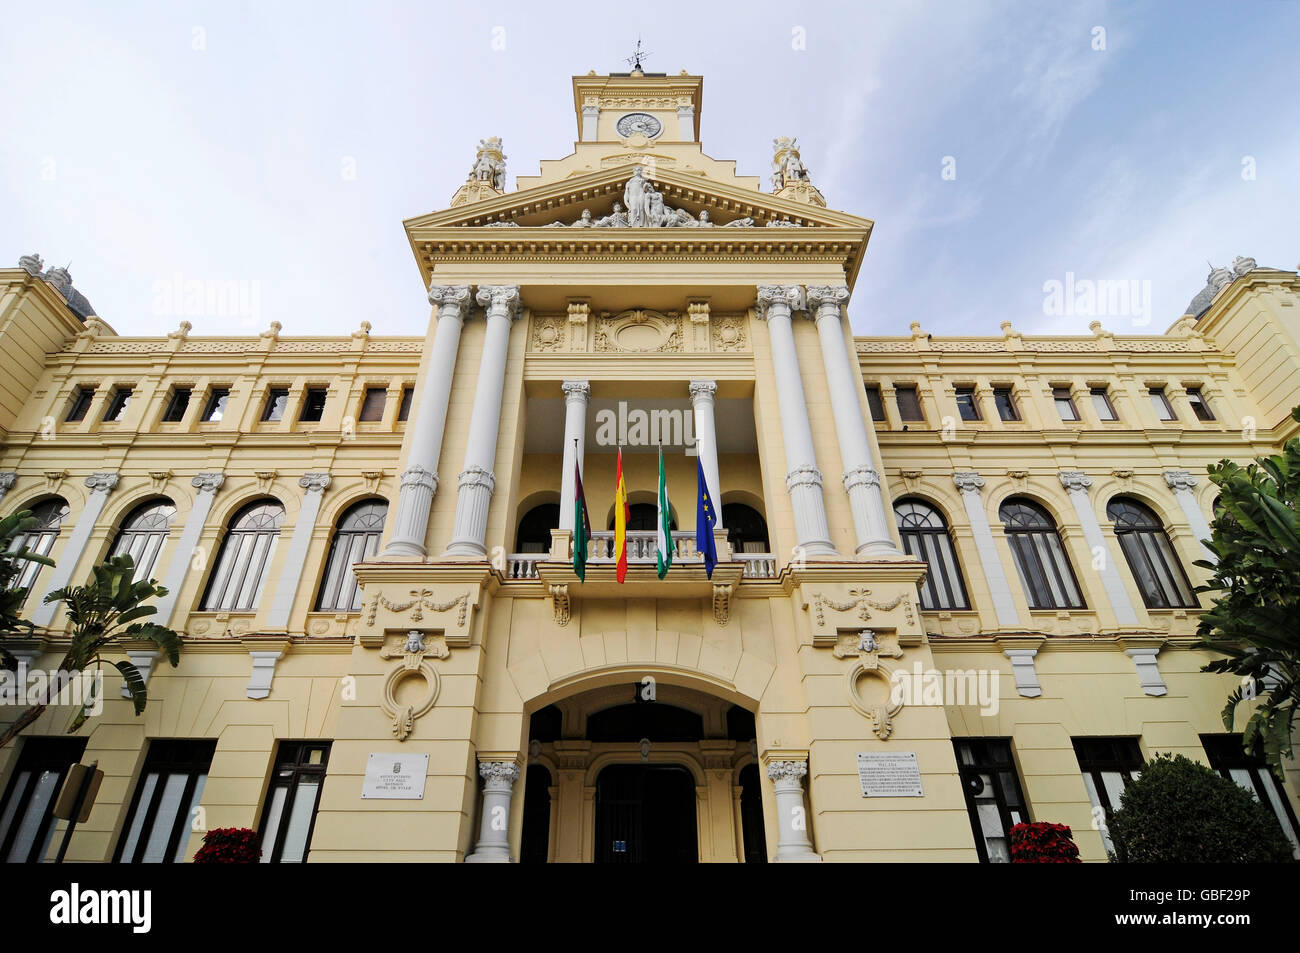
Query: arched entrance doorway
x=645, y=814
x=643, y=773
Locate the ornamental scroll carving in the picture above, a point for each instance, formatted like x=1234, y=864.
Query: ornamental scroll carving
x=639, y=331
x=828, y=613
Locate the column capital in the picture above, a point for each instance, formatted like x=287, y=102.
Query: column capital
x=1075, y=481
x=703, y=389
x=862, y=475
x=787, y=771
x=803, y=476
x=1180, y=480
x=500, y=300
x=499, y=772
x=786, y=297
x=576, y=390
x=968, y=481
x=208, y=482
x=828, y=299
x=314, y=482
x=104, y=483
x=451, y=300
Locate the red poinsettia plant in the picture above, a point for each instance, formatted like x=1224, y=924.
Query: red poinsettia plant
x=1043, y=843
x=228, y=845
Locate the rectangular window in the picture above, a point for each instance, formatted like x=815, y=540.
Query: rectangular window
x=372, y=406
x=292, y=800
x=1161, y=403
x=967, y=406
x=158, y=826
x=1005, y=403
x=909, y=405
x=313, y=405
x=216, y=406
x=1200, y=406
x=276, y=398
x=1108, y=765
x=26, y=822
x=993, y=796
x=1229, y=758
x=1064, y=403
x=1101, y=403
x=80, y=404
x=117, y=405
x=177, y=404
x=874, y=403
x=404, y=408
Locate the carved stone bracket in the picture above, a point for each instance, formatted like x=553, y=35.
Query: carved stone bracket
x=418, y=646
x=560, y=603
x=722, y=603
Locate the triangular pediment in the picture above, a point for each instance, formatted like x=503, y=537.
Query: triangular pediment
x=564, y=202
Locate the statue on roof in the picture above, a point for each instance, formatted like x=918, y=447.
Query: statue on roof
x=634, y=196
x=787, y=166
x=490, y=164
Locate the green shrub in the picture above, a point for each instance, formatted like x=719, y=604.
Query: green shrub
x=1178, y=811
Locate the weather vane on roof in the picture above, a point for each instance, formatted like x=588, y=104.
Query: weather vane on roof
x=637, y=56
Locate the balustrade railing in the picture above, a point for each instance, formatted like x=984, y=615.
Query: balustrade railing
x=641, y=549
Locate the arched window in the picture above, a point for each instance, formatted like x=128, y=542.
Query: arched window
x=643, y=517
x=245, y=558
x=143, y=533
x=356, y=538
x=746, y=528
x=535, y=529
x=1150, y=556
x=925, y=536
x=49, y=515
x=1040, y=558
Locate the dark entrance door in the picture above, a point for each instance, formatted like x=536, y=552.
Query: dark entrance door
x=645, y=814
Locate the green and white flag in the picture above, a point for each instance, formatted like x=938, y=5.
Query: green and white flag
x=664, y=524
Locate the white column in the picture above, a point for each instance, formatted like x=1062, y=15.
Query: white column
x=296, y=558
x=706, y=440
x=477, y=480
x=970, y=483
x=100, y=484
x=576, y=396
x=792, y=842
x=861, y=479
x=1076, y=483
x=1182, y=482
x=802, y=479
x=207, y=484
x=420, y=478
x=493, y=845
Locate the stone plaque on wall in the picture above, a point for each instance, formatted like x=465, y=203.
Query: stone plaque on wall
x=397, y=777
x=889, y=774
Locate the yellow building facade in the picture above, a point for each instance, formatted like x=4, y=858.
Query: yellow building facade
x=954, y=586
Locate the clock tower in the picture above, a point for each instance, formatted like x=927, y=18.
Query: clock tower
x=638, y=108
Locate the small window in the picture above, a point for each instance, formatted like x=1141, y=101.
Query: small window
x=1229, y=758
x=177, y=405
x=276, y=398
x=216, y=406
x=170, y=788
x=404, y=408
x=1064, y=403
x=967, y=406
x=1161, y=403
x=1101, y=403
x=874, y=402
x=1108, y=765
x=1005, y=403
x=292, y=800
x=27, y=815
x=909, y=405
x=117, y=405
x=993, y=797
x=1200, y=406
x=313, y=405
x=372, y=405
x=80, y=404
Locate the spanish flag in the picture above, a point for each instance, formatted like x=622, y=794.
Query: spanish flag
x=621, y=515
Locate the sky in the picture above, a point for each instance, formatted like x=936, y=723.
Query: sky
x=1000, y=147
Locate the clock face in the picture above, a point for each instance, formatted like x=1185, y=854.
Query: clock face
x=642, y=123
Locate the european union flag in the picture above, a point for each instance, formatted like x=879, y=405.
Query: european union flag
x=705, y=520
